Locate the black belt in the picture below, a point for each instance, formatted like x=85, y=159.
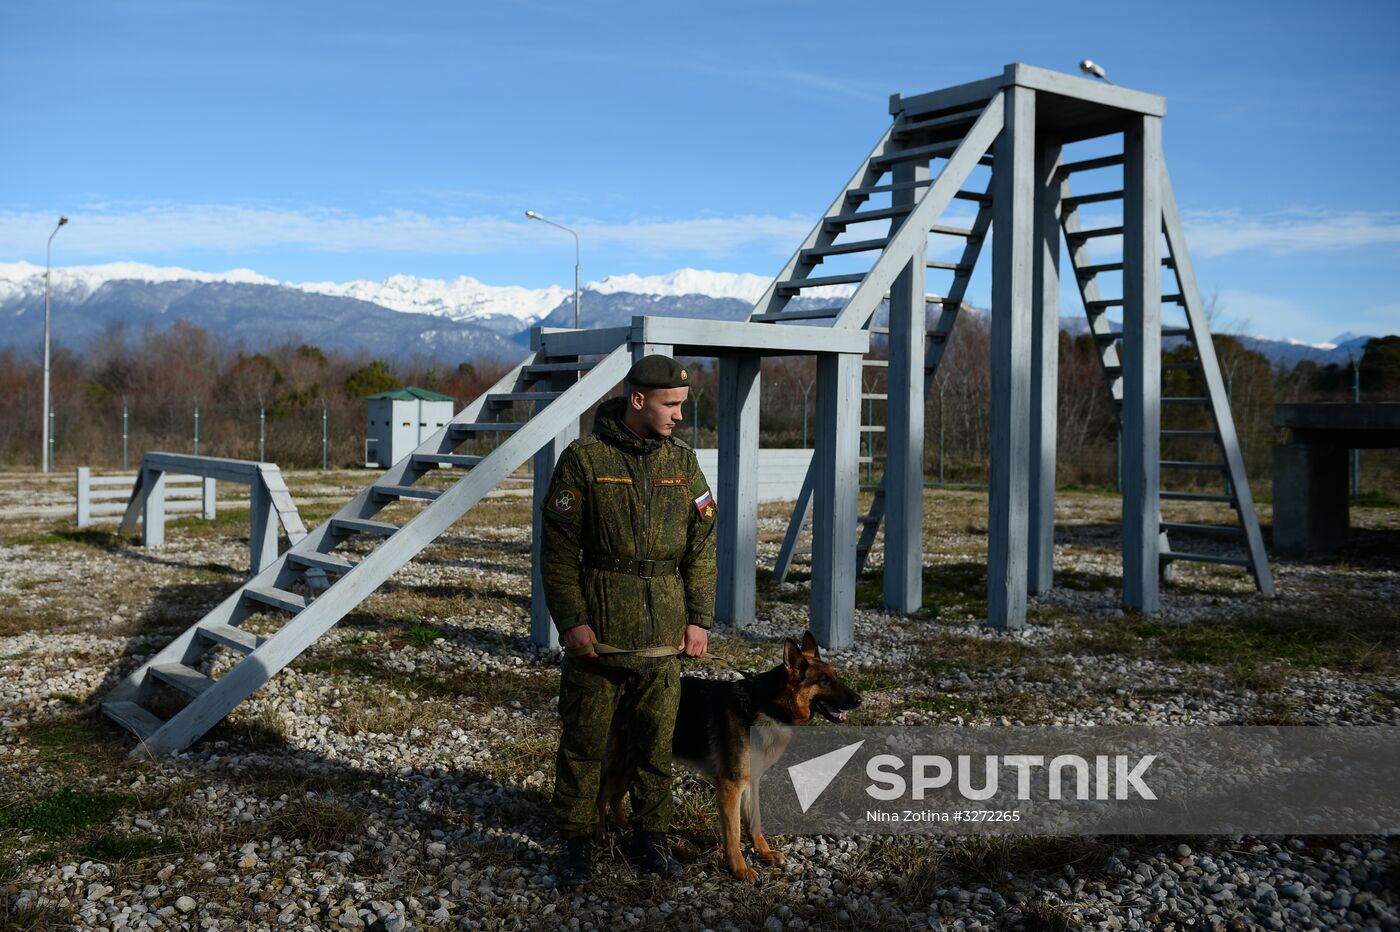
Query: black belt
x=646, y=569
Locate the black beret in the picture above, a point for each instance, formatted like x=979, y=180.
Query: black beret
x=657, y=371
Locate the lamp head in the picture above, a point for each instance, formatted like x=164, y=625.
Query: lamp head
x=62, y=221
x=532, y=215
x=1089, y=67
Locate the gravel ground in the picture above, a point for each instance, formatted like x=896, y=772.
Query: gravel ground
x=397, y=775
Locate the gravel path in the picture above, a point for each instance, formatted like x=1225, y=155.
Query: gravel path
x=392, y=780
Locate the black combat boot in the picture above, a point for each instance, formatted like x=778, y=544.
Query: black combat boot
x=575, y=864
x=652, y=855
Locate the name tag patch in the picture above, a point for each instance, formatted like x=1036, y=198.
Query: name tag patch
x=664, y=482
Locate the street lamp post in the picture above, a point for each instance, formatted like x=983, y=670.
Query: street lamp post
x=45, y=459
x=534, y=216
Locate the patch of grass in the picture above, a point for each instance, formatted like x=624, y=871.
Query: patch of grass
x=82, y=740
x=115, y=849
x=1045, y=917
x=870, y=679
x=364, y=637
x=225, y=518
x=1375, y=499
x=63, y=813
x=1082, y=581
x=496, y=688
x=960, y=653
x=66, y=697
x=1384, y=703
x=943, y=705
x=321, y=824
x=422, y=635
x=988, y=859
x=80, y=537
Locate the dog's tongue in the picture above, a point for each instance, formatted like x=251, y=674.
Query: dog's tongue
x=840, y=714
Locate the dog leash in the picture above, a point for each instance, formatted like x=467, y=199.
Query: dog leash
x=602, y=649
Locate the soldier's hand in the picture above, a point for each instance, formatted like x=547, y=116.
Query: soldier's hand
x=578, y=636
x=695, y=642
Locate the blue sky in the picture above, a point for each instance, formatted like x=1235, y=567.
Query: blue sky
x=319, y=140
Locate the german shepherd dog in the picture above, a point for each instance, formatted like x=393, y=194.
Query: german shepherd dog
x=712, y=736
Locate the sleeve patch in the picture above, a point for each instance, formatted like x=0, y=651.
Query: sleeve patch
x=613, y=480
x=565, y=501
x=663, y=482
x=705, y=504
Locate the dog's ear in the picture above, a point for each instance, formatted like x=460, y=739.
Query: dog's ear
x=792, y=656
x=809, y=646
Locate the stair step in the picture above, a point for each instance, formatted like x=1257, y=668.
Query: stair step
x=1182, y=434
x=961, y=118
x=406, y=491
x=1088, y=271
x=916, y=154
x=1188, y=464
x=1176, y=331
x=942, y=230
x=869, y=519
x=1208, y=530
x=133, y=718
x=1195, y=497
x=814, y=313
x=841, y=221
x=797, y=284
x=362, y=526
x=1103, y=304
x=486, y=427
x=322, y=561
x=501, y=399
x=949, y=266
x=245, y=642
x=1107, y=161
x=1186, y=401
x=816, y=253
x=1080, y=236
x=277, y=598
x=186, y=679
x=1072, y=203
x=874, y=396
x=445, y=459
x=872, y=428
x=871, y=459
x=545, y=368
x=1169, y=555
x=1181, y=366
x=871, y=487
x=875, y=363
x=884, y=330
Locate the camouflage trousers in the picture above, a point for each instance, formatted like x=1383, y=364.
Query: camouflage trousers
x=644, y=694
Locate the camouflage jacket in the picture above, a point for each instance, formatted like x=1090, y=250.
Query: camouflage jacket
x=616, y=495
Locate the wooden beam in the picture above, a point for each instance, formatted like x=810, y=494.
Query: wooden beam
x=904, y=463
x=1045, y=354
x=1013, y=261
x=542, y=630
x=739, y=399
x=706, y=337
x=1142, y=360
x=832, y=616
x=1095, y=92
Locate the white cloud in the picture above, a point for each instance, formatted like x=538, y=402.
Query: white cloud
x=99, y=232
x=1279, y=318
x=1220, y=232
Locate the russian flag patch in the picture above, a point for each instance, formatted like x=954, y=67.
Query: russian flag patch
x=705, y=504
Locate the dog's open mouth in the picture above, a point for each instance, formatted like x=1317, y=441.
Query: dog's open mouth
x=831, y=713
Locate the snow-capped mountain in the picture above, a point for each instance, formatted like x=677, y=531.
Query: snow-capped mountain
x=404, y=315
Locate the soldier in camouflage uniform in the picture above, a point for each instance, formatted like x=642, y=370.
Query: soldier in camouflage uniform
x=628, y=563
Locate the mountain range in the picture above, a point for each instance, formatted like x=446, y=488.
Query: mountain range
x=404, y=317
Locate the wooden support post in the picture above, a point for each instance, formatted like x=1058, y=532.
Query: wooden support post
x=739, y=392
x=1142, y=359
x=262, y=537
x=542, y=630
x=834, y=499
x=1045, y=356
x=1013, y=261
x=84, y=496
x=904, y=432
x=152, y=507
x=209, y=506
